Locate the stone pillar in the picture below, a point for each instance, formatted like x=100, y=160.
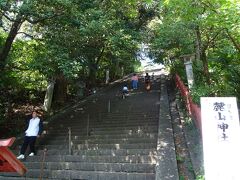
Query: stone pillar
x=107, y=76
x=122, y=71
x=48, y=96
x=189, y=70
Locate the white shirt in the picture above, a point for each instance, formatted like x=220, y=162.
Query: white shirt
x=33, y=127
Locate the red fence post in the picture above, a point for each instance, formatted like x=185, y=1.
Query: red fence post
x=193, y=109
x=8, y=161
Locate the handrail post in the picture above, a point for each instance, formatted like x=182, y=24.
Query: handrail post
x=109, y=106
x=69, y=140
x=88, y=117
x=42, y=164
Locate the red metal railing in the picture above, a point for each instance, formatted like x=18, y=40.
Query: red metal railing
x=193, y=109
x=8, y=161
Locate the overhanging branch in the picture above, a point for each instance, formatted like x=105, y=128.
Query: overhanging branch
x=235, y=43
x=26, y=34
x=42, y=19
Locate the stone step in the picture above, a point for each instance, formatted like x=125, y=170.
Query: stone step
x=103, y=136
x=149, y=159
x=102, y=124
x=106, y=167
x=20, y=178
x=122, y=115
x=84, y=175
x=103, y=141
x=112, y=132
x=94, y=131
x=121, y=126
x=93, y=134
x=98, y=152
x=130, y=114
x=117, y=125
x=123, y=118
x=109, y=120
x=122, y=144
x=128, y=117
x=102, y=146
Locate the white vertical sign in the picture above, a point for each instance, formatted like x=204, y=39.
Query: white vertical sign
x=221, y=138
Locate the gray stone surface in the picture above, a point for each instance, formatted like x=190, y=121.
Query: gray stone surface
x=166, y=167
x=124, y=144
x=120, y=145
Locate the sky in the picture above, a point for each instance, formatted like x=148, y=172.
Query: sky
x=146, y=62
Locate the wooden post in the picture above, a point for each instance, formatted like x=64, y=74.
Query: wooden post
x=109, y=106
x=42, y=163
x=88, y=118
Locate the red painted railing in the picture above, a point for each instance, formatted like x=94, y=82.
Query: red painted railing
x=193, y=109
x=8, y=161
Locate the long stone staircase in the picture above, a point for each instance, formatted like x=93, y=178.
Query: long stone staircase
x=110, y=138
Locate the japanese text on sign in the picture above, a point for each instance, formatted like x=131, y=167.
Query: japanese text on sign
x=221, y=137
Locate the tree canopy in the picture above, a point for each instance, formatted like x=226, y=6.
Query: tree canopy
x=67, y=42
x=208, y=29
x=74, y=42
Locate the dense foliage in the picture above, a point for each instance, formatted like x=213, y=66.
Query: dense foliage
x=74, y=42
x=70, y=42
x=208, y=29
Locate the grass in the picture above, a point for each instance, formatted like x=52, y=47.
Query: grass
x=200, y=177
x=180, y=159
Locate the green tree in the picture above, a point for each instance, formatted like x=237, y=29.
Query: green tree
x=195, y=26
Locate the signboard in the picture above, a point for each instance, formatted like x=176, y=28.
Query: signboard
x=221, y=138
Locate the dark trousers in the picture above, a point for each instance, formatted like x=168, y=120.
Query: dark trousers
x=28, y=140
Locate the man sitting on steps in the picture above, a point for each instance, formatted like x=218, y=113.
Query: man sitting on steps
x=34, y=130
x=125, y=91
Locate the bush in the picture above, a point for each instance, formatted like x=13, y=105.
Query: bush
x=213, y=90
x=178, y=67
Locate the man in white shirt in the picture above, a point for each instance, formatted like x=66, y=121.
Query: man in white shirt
x=34, y=130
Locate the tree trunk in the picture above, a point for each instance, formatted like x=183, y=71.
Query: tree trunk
x=234, y=41
x=60, y=90
x=116, y=71
x=198, y=43
x=8, y=43
x=201, y=54
x=205, y=66
x=92, y=76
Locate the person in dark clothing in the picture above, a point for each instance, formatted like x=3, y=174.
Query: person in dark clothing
x=147, y=82
x=34, y=130
x=125, y=91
